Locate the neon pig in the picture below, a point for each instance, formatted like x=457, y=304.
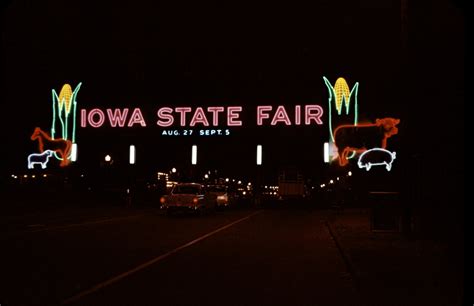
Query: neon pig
x=311, y=113
x=198, y=116
x=117, y=117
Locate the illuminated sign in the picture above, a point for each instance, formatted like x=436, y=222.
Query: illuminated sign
x=210, y=121
x=64, y=107
x=96, y=117
x=326, y=152
x=377, y=132
x=312, y=113
x=132, y=155
x=341, y=95
x=204, y=117
x=259, y=155
x=39, y=158
x=376, y=157
x=57, y=146
x=194, y=155
x=351, y=137
x=64, y=147
x=74, y=152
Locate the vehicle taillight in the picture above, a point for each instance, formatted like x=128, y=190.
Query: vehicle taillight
x=195, y=200
x=162, y=200
x=222, y=198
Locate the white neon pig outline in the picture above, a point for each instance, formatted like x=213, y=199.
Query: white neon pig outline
x=368, y=165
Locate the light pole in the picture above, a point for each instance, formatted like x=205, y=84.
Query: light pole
x=259, y=176
x=193, y=162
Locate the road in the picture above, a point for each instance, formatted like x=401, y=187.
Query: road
x=144, y=257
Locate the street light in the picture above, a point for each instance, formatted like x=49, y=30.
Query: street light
x=132, y=154
x=74, y=152
x=259, y=155
x=173, y=170
x=194, y=155
x=108, y=158
x=326, y=152
x=206, y=176
x=349, y=173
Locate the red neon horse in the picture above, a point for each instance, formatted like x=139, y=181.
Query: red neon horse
x=61, y=146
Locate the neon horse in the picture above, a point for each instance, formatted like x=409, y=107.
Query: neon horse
x=60, y=146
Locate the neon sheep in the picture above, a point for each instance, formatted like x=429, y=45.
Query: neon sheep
x=39, y=158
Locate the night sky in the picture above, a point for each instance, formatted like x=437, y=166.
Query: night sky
x=150, y=54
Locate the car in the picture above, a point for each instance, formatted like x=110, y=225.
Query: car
x=221, y=195
x=190, y=197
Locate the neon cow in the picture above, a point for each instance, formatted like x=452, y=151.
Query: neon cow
x=351, y=138
x=60, y=146
x=39, y=158
x=376, y=157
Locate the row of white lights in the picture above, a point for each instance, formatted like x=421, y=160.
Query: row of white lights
x=132, y=154
x=337, y=178
x=26, y=176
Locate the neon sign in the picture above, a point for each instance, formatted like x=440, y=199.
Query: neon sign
x=39, y=158
x=211, y=116
x=57, y=146
x=351, y=138
x=381, y=130
x=376, y=157
x=64, y=148
x=63, y=104
x=312, y=113
x=342, y=96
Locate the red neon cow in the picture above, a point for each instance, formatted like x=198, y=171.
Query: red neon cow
x=349, y=138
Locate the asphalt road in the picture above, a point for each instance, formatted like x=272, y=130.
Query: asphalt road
x=143, y=257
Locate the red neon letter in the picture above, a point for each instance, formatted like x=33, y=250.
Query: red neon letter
x=199, y=117
x=165, y=113
x=90, y=118
x=215, y=110
x=281, y=116
x=231, y=115
x=183, y=111
x=83, y=118
x=316, y=116
x=117, y=117
x=297, y=114
x=261, y=115
x=136, y=118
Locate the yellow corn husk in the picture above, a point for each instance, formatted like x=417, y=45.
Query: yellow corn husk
x=65, y=96
x=341, y=90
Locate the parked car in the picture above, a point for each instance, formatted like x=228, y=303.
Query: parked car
x=221, y=195
x=191, y=197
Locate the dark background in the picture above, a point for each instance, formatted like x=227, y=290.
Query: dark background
x=409, y=63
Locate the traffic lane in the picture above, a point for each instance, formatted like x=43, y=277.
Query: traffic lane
x=279, y=257
x=63, y=216
x=43, y=268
